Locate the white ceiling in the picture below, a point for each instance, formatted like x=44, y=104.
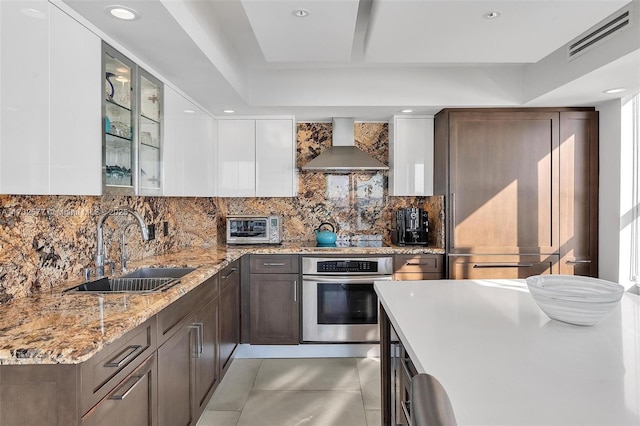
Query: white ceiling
x=371, y=58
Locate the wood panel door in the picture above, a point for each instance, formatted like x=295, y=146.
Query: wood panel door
x=275, y=308
x=175, y=376
x=503, y=196
x=579, y=193
x=206, y=354
x=229, y=322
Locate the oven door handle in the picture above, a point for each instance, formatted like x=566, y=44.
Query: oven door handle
x=345, y=279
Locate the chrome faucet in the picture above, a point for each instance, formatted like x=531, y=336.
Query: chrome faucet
x=100, y=261
x=123, y=250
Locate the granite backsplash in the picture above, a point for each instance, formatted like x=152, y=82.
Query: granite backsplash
x=47, y=240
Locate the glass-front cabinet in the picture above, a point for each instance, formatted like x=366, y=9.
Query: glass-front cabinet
x=149, y=137
x=132, y=116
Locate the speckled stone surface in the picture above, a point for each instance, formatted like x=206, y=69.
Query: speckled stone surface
x=46, y=240
x=52, y=327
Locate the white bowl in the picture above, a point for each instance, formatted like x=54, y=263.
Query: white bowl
x=575, y=299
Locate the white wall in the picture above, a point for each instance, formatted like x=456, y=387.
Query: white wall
x=614, y=239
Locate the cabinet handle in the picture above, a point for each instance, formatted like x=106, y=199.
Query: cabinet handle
x=295, y=290
x=502, y=265
x=577, y=262
x=233, y=270
x=418, y=263
x=136, y=379
x=123, y=357
x=199, y=338
x=273, y=264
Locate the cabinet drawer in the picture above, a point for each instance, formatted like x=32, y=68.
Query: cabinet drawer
x=131, y=402
x=419, y=263
x=170, y=318
x=230, y=275
x=101, y=373
x=273, y=264
x=502, y=266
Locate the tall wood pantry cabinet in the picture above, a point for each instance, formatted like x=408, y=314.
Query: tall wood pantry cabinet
x=521, y=190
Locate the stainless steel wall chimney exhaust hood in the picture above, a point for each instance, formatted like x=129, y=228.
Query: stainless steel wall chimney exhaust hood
x=343, y=156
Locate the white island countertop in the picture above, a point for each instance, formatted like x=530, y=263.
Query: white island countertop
x=502, y=361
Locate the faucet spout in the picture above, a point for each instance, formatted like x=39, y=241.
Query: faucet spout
x=100, y=250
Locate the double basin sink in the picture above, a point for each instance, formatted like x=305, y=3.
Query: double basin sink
x=143, y=280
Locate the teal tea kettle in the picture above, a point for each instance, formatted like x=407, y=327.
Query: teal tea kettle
x=324, y=237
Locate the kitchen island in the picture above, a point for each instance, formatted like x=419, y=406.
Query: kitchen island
x=502, y=361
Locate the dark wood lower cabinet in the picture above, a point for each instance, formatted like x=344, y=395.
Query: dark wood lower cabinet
x=229, y=314
x=207, y=374
x=132, y=402
x=275, y=309
x=34, y=395
x=418, y=267
x=175, y=375
x=188, y=368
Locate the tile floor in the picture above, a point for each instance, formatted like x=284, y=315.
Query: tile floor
x=299, y=391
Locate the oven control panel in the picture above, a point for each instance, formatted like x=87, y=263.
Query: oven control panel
x=347, y=266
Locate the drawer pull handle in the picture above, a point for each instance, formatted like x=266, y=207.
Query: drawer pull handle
x=123, y=357
x=273, y=264
x=419, y=263
x=233, y=271
x=577, y=262
x=503, y=265
x=136, y=379
x=199, y=338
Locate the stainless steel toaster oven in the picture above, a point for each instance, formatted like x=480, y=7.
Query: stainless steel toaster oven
x=250, y=229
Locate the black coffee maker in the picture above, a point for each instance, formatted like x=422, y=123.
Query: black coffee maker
x=411, y=227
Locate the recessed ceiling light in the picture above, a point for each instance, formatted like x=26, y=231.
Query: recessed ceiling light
x=492, y=14
x=301, y=13
x=407, y=110
x=122, y=70
x=228, y=111
x=189, y=111
x=616, y=90
x=122, y=12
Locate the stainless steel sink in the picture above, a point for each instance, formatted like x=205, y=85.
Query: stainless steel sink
x=159, y=273
x=144, y=280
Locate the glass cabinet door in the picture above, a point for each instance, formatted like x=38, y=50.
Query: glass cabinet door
x=150, y=158
x=119, y=145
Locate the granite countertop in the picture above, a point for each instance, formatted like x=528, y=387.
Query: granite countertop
x=56, y=328
x=503, y=361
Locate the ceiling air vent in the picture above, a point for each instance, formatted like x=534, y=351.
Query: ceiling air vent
x=597, y=34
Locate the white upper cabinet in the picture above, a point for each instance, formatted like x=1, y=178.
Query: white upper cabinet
x=275, y=158
x=236, y=158
x=189, y=148
x=75, y=138
x=411, y=156
x=24, y=97
x=49, y=104
x=256, y=157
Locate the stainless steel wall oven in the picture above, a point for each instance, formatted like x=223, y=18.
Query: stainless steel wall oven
x=339, y=303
